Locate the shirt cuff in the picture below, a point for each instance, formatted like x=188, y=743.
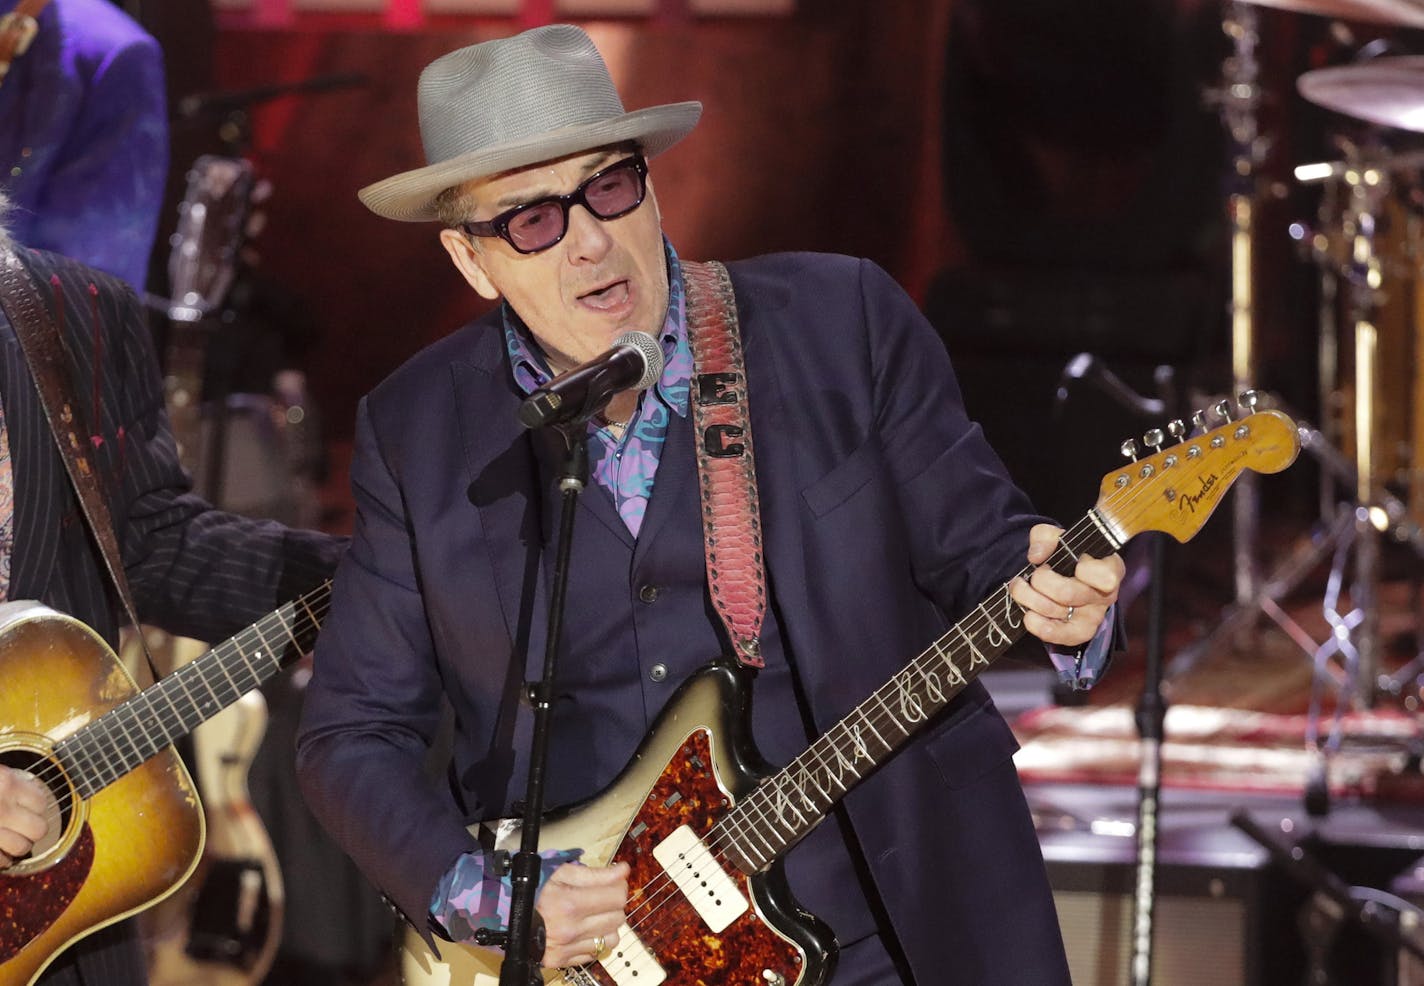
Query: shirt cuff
x=475, y=893
x=1080, y=668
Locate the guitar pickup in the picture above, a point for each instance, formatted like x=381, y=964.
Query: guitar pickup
x=630, y=963
x=711, y=892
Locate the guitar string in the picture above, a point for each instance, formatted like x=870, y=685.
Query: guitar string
x=91, y=744
x=722, y=836
x=98, y=760
x=100, y=747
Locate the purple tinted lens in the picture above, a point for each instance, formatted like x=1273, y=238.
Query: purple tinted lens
x=614, y=193
x=537, y=226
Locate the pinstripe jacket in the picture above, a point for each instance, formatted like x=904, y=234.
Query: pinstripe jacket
x=194, y=570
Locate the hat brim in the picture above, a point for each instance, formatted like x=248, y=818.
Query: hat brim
x=410, y=196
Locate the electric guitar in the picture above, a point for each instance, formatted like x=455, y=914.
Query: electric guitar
x=704, y=831
x=127, y=827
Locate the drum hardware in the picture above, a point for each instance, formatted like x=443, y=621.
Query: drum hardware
x=1355, y=527
x=1365, y=181
x=1238, y=98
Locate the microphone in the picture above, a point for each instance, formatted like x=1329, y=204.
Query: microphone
x=634, y=362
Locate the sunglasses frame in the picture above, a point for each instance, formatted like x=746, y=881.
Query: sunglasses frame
x=499, y=225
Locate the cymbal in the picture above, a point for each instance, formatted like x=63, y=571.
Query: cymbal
x=1386, y=91
x=1404, y=12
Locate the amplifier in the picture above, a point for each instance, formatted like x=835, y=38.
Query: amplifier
x=1220, y=916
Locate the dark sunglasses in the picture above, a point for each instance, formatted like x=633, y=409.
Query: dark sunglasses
x=615, y=191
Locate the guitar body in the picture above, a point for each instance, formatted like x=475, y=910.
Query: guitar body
x=119, y=851
x=694, y=765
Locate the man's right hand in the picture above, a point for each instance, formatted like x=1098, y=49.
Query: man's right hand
x=582, y=907
x=25, y=807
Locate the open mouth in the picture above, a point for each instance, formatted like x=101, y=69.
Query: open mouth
x=608, y=297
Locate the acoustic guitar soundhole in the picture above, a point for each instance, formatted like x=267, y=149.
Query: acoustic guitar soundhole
x=61, y=810
x=36, y=891
x=30, y=904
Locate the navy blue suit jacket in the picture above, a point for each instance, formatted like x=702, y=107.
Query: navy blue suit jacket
x=885, y=516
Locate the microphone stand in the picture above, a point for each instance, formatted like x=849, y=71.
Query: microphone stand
x=524, y=941
x=1151, y=716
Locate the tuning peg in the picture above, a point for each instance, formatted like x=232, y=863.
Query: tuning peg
x=1176, y=429
x=1223, y=410
x=1154, y=438
x=1249, y=399
x=1129, y=449
x=1198, y=421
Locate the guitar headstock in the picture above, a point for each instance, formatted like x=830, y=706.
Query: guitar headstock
x=1175, y=489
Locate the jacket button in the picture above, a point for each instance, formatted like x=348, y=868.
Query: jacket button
x=657, y=672
x=648, y=593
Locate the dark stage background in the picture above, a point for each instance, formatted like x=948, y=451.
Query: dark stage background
x=1045, y=178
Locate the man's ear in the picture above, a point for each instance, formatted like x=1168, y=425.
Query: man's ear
x=468, y=261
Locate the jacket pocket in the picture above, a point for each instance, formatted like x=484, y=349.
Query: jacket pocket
x=837, y=486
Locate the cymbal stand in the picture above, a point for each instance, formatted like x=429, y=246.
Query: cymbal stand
x=1239, y=98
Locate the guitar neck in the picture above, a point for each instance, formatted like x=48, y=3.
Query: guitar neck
x=131, y=732
x=788, y=804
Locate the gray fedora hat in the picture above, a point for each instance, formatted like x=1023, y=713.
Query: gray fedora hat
x=513, y=102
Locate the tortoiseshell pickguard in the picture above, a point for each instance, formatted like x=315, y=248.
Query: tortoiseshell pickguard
x=30, y=904
x=686, y=793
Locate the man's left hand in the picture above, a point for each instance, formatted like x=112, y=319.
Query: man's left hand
x=1060, y=609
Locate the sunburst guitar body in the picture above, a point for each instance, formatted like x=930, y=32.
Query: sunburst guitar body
x=127, y=825
x=692, y=767
x=110, y=854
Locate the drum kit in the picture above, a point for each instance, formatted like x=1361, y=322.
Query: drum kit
x=1367, y=244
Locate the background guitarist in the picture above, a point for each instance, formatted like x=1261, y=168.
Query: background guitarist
x=884, y=515
x=83, y=132
x=194, y=570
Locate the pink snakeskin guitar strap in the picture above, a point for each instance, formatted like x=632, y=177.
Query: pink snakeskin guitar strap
x=731, y=518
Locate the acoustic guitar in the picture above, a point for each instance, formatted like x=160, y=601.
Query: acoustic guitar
x=705, y=828
x=127, y=824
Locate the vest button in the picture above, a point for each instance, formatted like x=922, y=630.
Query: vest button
x=657, y=672
x=648, y=593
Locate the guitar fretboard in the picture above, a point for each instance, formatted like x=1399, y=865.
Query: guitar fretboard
x=788, y=804
x=131, y=732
